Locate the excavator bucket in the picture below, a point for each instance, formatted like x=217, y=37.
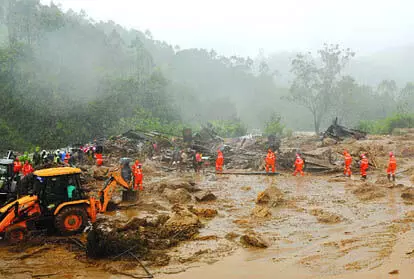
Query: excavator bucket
x=130, y=195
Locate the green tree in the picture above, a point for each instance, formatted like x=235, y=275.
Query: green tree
x=316, y=80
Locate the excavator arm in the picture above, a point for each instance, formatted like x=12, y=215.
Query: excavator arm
x=18, y=212
x=108, y=189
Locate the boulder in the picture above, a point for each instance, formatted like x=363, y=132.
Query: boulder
x=272, y=196
x=177, y=183
x=177, y=196
x=203, y=196
x=182, y=217
x=204, y=212
x=254, y=240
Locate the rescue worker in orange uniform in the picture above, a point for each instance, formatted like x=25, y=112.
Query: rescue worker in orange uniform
x=392, y=167
x=348, y=163
x=138, y=176
x=27, y=168
x=270, y=160
x=219, y=161
x=363, y=165
x=99, y=159
x=17, y=166
x=298, y=165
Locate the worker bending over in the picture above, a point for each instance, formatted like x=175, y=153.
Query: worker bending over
x=348, y=163
x=219, y=161
x=138, y=175
x=363, y=165
x=270, y=160
x=298, y=165
x=392, y=167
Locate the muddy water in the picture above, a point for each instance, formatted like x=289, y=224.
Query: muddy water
x=370, y=239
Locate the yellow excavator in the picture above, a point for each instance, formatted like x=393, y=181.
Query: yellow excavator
x=57, y=199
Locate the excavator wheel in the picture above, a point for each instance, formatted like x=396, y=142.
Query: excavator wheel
x=71, y=220
x=16, y=235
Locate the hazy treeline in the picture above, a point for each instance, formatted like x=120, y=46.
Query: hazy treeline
x=65, y=78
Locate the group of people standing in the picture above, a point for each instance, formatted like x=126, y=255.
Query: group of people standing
x=364, y=165
x=270, y=162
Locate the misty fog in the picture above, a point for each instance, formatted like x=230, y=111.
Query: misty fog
x=67, y=77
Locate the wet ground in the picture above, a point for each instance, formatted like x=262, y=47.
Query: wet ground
x=327, y=227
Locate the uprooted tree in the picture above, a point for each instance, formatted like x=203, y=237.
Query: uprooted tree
x=315, y=79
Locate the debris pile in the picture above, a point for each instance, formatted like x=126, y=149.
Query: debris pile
x=339, y=132
x=109, y=238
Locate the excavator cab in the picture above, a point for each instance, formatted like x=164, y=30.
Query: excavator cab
x=7, y=181
x=57, y=199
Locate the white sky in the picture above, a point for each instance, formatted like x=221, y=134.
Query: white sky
x=243, y=27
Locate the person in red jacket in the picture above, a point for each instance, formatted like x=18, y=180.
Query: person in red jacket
x=67, y=157
x=270, y=160
x=27, y=168
x=17, y=166
x=298, y=165
x=392, y=167
x=219, y=161
x=138, y=175
x=348, y=163
x=363, y=165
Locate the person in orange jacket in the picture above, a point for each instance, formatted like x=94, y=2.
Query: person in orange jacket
x=298, y=166
x=27, y=168
x=392, y=167
x=270, y=160
x=138, y=175
x=99, y=159
x=348, y=163
x=219, y=161
x=363, y=166
x=17, y=166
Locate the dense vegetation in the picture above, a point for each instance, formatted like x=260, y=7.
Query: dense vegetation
x=65, y=79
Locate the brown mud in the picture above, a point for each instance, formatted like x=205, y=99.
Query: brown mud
x=325, y=226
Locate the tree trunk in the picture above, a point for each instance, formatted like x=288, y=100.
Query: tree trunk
x=316, y=122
